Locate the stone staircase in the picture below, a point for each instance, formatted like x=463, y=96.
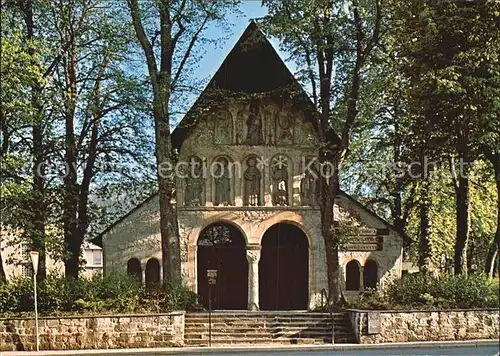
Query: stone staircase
x=267, y=327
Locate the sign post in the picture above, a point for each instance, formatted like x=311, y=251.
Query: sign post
x=34, y=260
x=212, y=280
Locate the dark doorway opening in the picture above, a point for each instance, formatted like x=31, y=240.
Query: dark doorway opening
x=222, y=247
x=284, y=269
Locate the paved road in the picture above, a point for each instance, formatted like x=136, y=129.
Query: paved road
x=469, y=351
x=437, y=351
x=469, y=348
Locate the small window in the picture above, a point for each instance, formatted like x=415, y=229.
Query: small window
x=97, y=258
x=134, y=269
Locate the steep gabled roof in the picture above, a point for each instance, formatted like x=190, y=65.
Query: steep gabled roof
x=252, y=67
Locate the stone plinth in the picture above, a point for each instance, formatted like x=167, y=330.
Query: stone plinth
x=373, y=327
x=93, y=332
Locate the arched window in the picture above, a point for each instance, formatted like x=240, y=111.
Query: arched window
x=352, y=275
x=134, y=269
x=152, y=273
x=370, y=274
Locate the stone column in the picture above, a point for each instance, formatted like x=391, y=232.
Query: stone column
x=361, y=278
x=143, y=272
x=253, y=257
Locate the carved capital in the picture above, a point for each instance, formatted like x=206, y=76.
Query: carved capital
x=253, y=256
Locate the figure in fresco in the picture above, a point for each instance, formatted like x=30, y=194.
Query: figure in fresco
x=254, y=124
x=252, y=177
x=223, y=128
x=222, y=178
x=285, y=129
x=280, y=181
x=195, y=183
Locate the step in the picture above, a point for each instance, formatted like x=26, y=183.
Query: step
x=267, y=327
x=259, y=320
x=246, y=341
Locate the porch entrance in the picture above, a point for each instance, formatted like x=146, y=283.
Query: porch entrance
x=284, y=269
x=222, y=247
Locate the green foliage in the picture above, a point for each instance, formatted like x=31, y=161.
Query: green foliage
x=115, y=293
x=422, y=291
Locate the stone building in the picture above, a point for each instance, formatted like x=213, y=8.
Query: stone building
x=246, y=198
x=17, y=260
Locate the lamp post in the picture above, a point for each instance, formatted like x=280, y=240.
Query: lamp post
x=212, y=280
x=34, y=260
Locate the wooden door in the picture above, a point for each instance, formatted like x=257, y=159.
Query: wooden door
x=222, y=247
x=283, y=269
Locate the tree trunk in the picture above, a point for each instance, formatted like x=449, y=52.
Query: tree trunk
x=3, y=277
x=328, y=192
x=73, y=250
x=494, y=248
x=72, y=235
x=170, y=242
x=160, y=79
x=37, y=233
x=462, y=236
x=424, y=246
x=397, y=195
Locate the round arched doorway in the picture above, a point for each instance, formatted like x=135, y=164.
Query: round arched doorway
x=221, y=247
x=284, y=269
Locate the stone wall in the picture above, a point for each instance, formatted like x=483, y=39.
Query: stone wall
x=373, y=327
x=93, y=332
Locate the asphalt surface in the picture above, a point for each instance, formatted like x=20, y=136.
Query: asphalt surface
x=472, y=351
x=445, y=348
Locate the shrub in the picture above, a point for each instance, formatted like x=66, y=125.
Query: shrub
x=462, y=292
x=179, y=297
x=115, y=293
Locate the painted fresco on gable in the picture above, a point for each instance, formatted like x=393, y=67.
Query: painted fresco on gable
x=223, y=121
x=254, y=135
x=284, y=128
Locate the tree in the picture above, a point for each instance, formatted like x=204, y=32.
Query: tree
x=176, y=28
x=332, y=42
x=450, y=55
x=492, y=255
x=101, y=121
x=24, y=129
x=90, y=111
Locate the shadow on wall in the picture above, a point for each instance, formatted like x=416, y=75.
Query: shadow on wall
x=16, y=339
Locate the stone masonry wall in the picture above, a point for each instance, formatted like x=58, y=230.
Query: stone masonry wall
x=93, y=332
x=373, y=327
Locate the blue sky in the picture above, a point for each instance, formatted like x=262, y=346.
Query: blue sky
x=250, y=9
